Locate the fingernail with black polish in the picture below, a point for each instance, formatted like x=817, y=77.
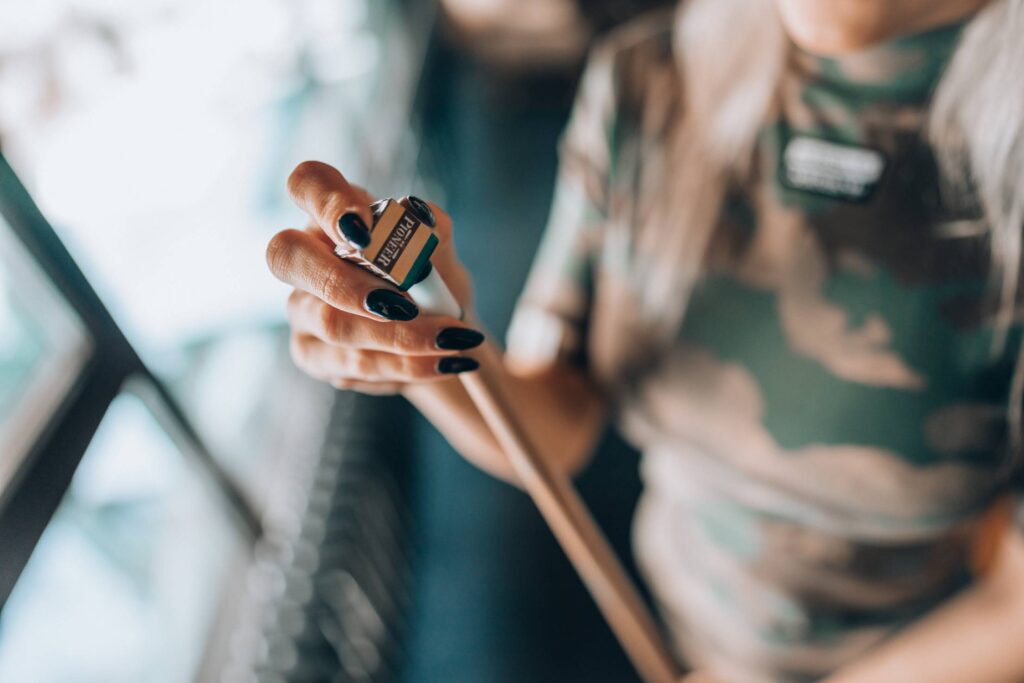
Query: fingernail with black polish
x=390, y=305
x=455, y=365
x=458, y=339
x=354, y=230
x=422, y=209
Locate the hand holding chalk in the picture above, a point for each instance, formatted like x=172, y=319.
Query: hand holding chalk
x=402, y=241
x=350, y=326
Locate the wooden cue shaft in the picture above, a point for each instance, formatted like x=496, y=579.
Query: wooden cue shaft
x=576, y=531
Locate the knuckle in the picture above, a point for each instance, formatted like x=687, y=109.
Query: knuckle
x=400, y=337
x=344, y=328
x=413, y=338
x=406, y=366
x=327, y=321
x=364, y=366
x=416, y=368
x=334, y=286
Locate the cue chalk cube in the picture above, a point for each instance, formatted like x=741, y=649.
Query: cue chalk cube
x=400, y=244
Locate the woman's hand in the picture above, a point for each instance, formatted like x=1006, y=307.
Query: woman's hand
x=356, y=331
x=349, y=327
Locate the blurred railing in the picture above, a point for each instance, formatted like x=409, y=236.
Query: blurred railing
x=328, y=592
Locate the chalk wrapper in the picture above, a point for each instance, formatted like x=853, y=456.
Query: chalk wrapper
x=399, y=251
x=400, y=245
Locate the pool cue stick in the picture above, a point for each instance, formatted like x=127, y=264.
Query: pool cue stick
x=398, y=243
x=575, y=529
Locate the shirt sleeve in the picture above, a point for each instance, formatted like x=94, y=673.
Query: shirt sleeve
x=550, y=320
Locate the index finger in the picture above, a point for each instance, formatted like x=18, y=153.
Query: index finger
x=341, y=210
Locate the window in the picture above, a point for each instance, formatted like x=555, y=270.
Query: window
x=119, y=532
x=125, y=583
x=43, y=347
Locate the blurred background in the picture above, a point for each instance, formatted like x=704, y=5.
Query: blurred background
x=179, y=503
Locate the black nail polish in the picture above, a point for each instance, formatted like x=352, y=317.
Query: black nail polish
x=354, y=230
x=458, y=339
x=391, y=305
x=422, y=210
x=453, y=366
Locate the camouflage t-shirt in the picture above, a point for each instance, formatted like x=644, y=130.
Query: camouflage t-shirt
x=821, y=439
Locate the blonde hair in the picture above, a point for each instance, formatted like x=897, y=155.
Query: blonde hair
x=976, y=126
x=730, y=55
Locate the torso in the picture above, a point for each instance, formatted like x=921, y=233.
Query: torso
x=828, y=425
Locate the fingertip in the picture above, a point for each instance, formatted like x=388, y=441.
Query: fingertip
x=390, y=305
x=281, y=249
x=458, y=339
x=353, y=229
x=323, y=192
x=309, y=176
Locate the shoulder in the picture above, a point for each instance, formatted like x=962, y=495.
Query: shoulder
x=631, y=86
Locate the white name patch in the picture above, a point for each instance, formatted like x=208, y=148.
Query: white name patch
x=830, y=168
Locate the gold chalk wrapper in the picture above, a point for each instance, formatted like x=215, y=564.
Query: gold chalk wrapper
x=400, y=245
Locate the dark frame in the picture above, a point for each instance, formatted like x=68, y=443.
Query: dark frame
x=31, y=498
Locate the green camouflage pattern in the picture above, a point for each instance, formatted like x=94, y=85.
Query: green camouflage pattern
x=820, y=441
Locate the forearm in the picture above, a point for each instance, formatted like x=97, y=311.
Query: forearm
x=976, y=638
x=449, y=408
x=559, y=410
